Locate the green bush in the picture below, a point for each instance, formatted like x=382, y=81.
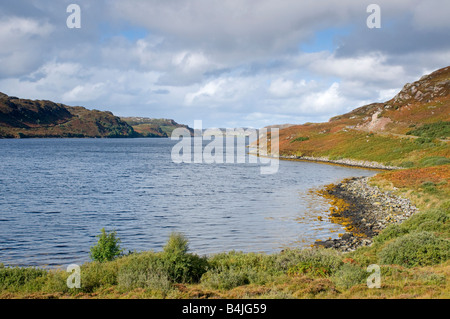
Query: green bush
x=439, y=129
x=309, y=268
x=300, y=139
x=98, y=274
x=434, y=161
x=107, y=247
x=445, y=207
x=416, y=249
x=436, y=217
x=180, y=265
x=140, y=269
x=160, y=270
x=225, y=278
x=315, y=258
x=423, y=140
x=233, y=259
x=433, y=279
x=349, y=275
x=429, y=187
x=21, y=279
x=177, y=244
x=390, y=232
x=407, y=164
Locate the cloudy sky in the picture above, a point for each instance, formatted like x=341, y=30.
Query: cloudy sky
x=227, y=62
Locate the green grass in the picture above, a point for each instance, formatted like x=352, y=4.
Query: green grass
x=300, y=139
x=383, y=149
x=439, y=129
x=434, y=161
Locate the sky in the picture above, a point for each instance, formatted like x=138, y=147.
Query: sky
x=229, y=63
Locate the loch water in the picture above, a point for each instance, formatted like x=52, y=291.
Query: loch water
x=57, y=194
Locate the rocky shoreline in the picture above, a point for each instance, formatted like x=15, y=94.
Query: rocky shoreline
x=343, y=161
x=364, y=210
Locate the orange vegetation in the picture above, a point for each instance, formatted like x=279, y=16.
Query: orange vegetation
x=416, y=176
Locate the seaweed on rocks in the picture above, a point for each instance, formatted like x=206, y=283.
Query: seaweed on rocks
x=363, y=210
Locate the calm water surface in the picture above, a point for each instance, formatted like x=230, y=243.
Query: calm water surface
x=56, y=195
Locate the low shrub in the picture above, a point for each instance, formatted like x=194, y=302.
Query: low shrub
x=434, y=161
x=308, y=268
x=416, y=249
x=349, y=275
x=429, y=187
x=390, y=232
x=225, y=278
x=21, y=279
x=407, y=164
x=160, y=270
x=439, y=129
x=98, y=274
x=180, y=265
x=436, y=217
x=139, y=269
x=325, y=259
x=430, y=278
x=300, y=139
x=241, y=260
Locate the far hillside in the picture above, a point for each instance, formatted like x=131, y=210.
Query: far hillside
x=410, y=128
x=24, y=118
x=149, y=127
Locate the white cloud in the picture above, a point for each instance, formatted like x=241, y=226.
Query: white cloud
x=220, y=60
x=83, y=93
x=21, y=49
x=283, y=88
x=368, y=68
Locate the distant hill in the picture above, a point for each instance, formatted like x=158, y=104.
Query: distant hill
x=407, y=129
x=22, y=118
x=149, y=127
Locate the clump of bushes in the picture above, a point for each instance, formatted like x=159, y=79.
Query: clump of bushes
x=429, y=187
x=229, y=270
x=300, y=139
x=327, y=260
x=20, y=279
x=439, y=129
x=161, y=270
x=434, y=161
x=416, y=249
x=407, y=164
x=349, y=275
x=433, y=220
x=226, y=278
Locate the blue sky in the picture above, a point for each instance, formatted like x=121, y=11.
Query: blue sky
x=228, y=63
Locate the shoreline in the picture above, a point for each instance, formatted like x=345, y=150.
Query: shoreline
x=343, y=162
x=363, y=210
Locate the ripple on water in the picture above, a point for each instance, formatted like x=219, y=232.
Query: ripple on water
x=58, y=193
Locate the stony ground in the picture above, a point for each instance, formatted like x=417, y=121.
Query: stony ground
x=366, y=212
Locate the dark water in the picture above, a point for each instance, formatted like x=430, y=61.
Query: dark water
x=56, y=195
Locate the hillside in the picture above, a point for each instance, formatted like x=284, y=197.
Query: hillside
x=404, y=131
x=22, y=118
x=148, y=127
